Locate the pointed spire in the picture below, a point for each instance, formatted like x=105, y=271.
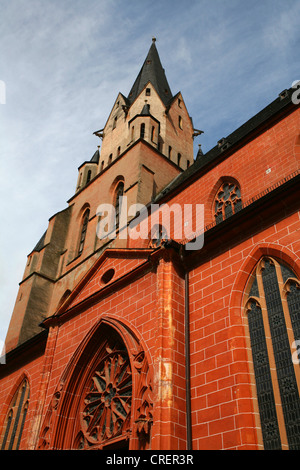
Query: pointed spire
x=151, y=71
x=146, y=109
x=96, y=156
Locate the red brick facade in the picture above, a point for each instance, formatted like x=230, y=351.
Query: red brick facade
x=166, y=327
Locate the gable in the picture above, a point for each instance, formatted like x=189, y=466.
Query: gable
x=116, y=112
x=177, y=107
x=112, y=266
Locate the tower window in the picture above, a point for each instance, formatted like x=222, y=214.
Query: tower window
x=180, y=122
x=170, y=151
x=110, y=159
x=178, y=159
x=119, y=151
x=148, y=91
x=115, y=122
x=85, y=222
x=132, y=133
x=118, y=202
x=152, y=133
x=142, y=134
x=88, y=178
x=228, y=201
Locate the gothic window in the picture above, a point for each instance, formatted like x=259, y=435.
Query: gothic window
x=15, y=418
x=170, y=151
x=104, y=400
x=118, y=202
x=273, y=311
x=142, y=133
x=88, y=178
x=115, y=122
x=228, y=201
x=105, y=408
x=110, y=159
x=152, y=133
x=180, y=122
x=85, y=222
x=178, y=159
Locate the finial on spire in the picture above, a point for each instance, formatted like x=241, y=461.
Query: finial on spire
x=153, y=39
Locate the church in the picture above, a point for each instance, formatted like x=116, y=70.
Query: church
x=160, y=310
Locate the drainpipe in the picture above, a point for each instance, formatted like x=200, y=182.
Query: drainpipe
x=181, y=250
x=187, y=365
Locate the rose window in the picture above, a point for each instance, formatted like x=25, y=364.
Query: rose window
x=107, y=403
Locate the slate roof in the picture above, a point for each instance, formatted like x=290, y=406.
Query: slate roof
x=40, y=244
x=224, y=145
x=151, y=71
x=95, y=157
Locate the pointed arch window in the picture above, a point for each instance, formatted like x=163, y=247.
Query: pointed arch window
x=15, y=418
x=89, y=175
x=107, y=403
x=152, y=133
x=142, y=132
x=272, y=308
x=109, y=382
x=84, y=226
x=118, y=202
x=228, y=201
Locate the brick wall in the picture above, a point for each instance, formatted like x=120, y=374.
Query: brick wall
x=221, y=373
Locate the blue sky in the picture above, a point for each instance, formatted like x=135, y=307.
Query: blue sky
x=64, y=61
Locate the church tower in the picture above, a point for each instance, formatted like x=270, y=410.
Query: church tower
x=157, y=342
x=146, y=142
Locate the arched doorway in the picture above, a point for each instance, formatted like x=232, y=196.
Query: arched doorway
x=104, y=398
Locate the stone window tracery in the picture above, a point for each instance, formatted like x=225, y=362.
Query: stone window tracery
x=272, y=308
x=106, y=406
x=228, y=201
x=104, y=398
x=15, y=418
